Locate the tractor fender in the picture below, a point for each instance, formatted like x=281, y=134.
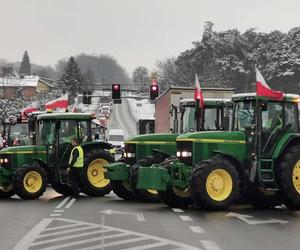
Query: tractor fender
x=285, y=142
x=43, y=165
x=237, y=163
x=96, y=145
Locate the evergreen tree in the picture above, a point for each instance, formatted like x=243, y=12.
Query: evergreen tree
x=25, y=67
x=72, y=80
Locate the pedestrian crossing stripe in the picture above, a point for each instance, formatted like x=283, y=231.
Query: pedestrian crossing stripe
x=57, y=233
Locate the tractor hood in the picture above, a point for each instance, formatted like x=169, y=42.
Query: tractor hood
x=214, y=136
x=33, y=149
x=152, y=139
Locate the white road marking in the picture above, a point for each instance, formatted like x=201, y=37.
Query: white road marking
x=31, y=236
x=140, y=217
x=186, y=218
x=177, y=210
x=60, y=227
x=68, y=231
x=70, y=237
x=146, y=246
x=55, y=215
x=29, y=239
x=58, y=211
x=71, y=202
x=210, y=245
x=197, y=229
x=245, y=218
x=64, y=201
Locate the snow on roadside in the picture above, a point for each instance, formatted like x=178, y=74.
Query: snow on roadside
x=141, y=109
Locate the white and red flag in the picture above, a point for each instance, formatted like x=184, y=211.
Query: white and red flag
x=59, y=103
x=32, y=107
x=74, y=108
x=263, y=89
x=198, y=96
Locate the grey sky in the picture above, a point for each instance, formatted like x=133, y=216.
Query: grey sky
x=135, y=32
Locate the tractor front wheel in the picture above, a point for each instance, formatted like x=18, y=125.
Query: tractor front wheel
x=176, y=197
x=123, y=189
x=288, y=177
x=214, y=184
x=148, y=195
x=92, y=180
x=30, y=182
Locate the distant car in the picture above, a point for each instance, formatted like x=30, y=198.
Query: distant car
x=116, y=138
x=105, y=110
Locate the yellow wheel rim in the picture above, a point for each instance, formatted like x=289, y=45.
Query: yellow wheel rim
x=219, y=185
x=95, y=173
x=183, y=193
x=152, y=191
x=296, y=176
x=32, y=182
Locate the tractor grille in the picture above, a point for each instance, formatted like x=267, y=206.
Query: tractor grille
x=184, y=152
x=5, y=161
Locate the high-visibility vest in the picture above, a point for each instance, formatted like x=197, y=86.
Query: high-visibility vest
x=79, y=162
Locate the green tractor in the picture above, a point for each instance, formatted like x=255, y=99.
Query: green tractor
x=145, y=150
x=259, y=158
x=26, y=170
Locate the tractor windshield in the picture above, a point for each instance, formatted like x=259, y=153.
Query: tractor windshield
x=210, y=117
x=188, y=119
x=243, y=115
x=67, y=129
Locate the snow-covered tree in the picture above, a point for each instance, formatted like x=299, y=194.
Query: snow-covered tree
x=25, y=67
x=71, y=81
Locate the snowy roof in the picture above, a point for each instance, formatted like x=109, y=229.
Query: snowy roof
x=26, y=81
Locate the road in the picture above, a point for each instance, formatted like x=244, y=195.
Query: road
x=56, y=222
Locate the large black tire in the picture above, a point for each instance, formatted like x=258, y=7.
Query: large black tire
x=92, y=181
x=123, y=190
x=6, y=193
x=63, y=189
x=258, y=199
x=288, y=177
x=144, y=195
x=174, y=197
x=30, y=182
x=214, y=184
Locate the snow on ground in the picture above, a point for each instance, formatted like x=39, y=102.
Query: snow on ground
x=141, y=109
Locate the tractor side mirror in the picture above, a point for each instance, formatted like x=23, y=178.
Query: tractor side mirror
x=264, y=106
x=19, y=118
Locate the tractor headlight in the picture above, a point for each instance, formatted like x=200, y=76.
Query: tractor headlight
x=183, y=154
x=129, y=155
x=5, y=161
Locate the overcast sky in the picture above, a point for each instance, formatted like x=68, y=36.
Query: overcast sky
x=135, y=32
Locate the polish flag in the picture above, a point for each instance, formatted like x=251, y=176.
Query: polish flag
x=33, y=107
x=198, y=96
x=263, y=89
x=59, y=103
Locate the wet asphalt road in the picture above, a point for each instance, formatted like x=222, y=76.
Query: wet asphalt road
x=57, y=222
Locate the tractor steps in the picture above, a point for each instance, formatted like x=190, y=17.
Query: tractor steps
x=266, y=174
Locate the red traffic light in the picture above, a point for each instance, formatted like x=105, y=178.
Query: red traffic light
x=154, y=87
x=116, y=86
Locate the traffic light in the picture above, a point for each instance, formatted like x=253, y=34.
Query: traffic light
x=154, y=89
x=115, y=91
x=87, y=99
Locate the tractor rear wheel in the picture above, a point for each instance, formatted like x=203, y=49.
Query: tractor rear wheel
x=92, y=180
x=7, y=192
x=123, y=189
x=30, y=182
x=214, y=184
x=288, y=177
x=149, y=195
x=176, y=197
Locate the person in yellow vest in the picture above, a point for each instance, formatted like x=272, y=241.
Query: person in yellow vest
x=76, y=162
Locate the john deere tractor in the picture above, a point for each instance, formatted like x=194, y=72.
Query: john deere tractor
x=259, y=158
x=26, y=170
x=145, y=150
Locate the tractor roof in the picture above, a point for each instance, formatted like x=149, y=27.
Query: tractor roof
x=207, y=101
x=253, y=96
x=66, y=116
